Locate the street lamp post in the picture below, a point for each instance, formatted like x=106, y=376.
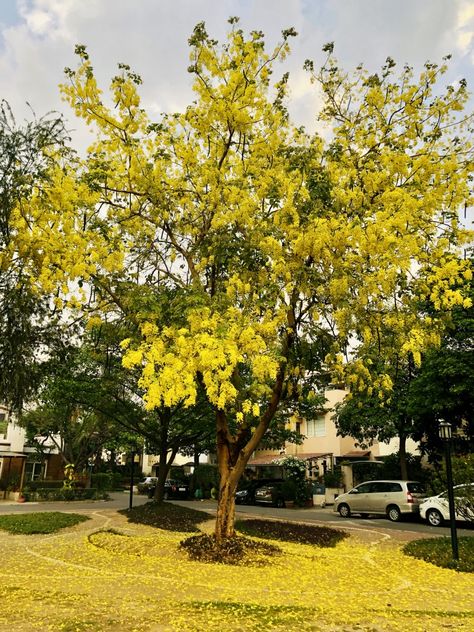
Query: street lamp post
x=445, y=433
x=134, y=457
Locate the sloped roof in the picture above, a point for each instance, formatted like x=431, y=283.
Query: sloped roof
x=269, y=459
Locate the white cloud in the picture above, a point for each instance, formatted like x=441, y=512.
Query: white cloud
x=151, y=36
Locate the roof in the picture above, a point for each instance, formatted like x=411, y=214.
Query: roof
x=12, y=455
x=264, y=460
x=312, y=455
x=270, y=458
x=353, y=454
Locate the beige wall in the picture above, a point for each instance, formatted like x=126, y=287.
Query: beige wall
x=330, y=442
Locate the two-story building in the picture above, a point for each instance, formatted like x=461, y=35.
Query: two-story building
x=323, y=449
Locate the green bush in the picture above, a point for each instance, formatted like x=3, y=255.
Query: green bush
x=106, y=481
x=48, y=494
x=42, y=522
x=390, y=468
x=205, y=477
x=288, y=489
x=333, y=478
x=438, y=551
x=34, y=485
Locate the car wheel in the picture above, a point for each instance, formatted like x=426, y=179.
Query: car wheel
x=435, y=518
x=280, y=503
x=393, y=513
x=344, y=510
x=166, y=496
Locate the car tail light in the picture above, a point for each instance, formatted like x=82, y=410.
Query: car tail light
x=410, y=498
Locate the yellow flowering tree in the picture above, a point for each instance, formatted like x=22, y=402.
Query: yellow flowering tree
x=266, y=237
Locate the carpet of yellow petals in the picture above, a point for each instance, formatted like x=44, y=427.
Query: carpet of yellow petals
x=136, y=579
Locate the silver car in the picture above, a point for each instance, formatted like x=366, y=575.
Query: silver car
x=388, y=498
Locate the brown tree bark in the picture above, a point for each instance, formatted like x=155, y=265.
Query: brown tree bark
x=164, y=463
x=234, y=451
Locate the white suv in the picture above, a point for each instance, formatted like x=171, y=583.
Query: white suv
x=388, y=498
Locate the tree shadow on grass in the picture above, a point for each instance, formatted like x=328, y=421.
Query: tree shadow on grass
x=167, y=516
x=291, y=532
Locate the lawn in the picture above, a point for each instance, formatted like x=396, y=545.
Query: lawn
x=112, y=574
x=41, y=522
x=439, y=551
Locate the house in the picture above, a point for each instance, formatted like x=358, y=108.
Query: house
x=322, y=449
x=20, y=463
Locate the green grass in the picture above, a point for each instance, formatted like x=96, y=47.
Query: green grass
x=438, y=551
x=42, y=522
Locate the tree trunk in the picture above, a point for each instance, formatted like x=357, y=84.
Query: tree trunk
x=234, y=451
x=196, y=456
x=231, y=461
x=163, y=467
x=402, y=455
x=225, y=510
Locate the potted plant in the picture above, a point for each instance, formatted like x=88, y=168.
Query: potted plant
x=21, y=497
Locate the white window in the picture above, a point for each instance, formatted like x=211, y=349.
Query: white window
x=316, y=427
x=33, y=471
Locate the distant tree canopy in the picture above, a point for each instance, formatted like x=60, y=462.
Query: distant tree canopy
x=27, y=323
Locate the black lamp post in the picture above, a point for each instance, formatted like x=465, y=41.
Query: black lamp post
x=133, y=456
x=445, y=433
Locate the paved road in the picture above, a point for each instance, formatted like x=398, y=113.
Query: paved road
x=120, y=500
x=327, y=515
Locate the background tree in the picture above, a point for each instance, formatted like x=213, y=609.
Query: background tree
x=443, y=386
x=87, y=401
x=369, y=416
x=28, y=322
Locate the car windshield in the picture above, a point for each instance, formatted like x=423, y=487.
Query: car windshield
x=416, y=488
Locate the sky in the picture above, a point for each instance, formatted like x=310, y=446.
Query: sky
x=37, y=39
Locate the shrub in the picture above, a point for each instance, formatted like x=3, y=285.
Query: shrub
x=295, y=470
x=288, y=490
x=106, y=481
x=34, y=485
x=438, y=551
x=42, y=522
x=333, y=478
x=52, y=494
x=205, y=477
x=390, y=469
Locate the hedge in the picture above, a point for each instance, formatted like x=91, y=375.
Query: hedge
x=64, y=494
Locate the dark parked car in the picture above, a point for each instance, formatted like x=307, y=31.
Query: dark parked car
x=173, y=488
x=148, y=483
x=271, y=494
x=246, y=495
